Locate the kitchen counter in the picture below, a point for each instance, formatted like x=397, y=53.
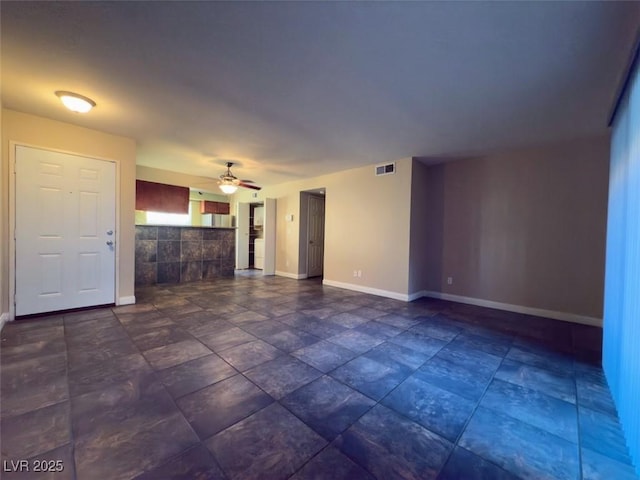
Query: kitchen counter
x=174, y=254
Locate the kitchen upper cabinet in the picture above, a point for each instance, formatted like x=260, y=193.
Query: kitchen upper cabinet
x=219, y=208
x=158, y=197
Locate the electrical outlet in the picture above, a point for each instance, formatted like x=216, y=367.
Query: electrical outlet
x=449, y=280
x=359, y=273
x=355, y=273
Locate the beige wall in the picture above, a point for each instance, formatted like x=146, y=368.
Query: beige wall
x=45, y=133
x=523, y=227
x=366, y=226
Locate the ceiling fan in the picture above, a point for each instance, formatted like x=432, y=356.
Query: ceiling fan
x=229, y=183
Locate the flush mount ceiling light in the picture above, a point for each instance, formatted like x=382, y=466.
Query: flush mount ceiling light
x=75, y=102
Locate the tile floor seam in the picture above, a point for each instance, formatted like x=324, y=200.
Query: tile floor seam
x=579, y=429
x=183, y=413
x=413, y=371
x=236, y=422
x=328, y=445
x=205, y=387
x=329, y=442
x=379, y=402
x=71, y=434
x=332, y=443
x=156, y=377
x=173, y=458
x=494, y=464
x=475, y=409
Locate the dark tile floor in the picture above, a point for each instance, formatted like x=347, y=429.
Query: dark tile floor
x=267, y=378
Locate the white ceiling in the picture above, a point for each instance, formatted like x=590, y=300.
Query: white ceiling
x=294, y=90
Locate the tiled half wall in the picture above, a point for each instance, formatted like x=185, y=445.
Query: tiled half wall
x=183, y=254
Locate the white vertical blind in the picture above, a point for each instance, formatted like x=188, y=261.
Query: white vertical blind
x=621, y=349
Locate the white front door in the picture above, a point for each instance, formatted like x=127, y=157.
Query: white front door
x=65, y=231
x=315, y=251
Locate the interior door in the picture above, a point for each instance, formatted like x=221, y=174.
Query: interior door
x=242, y=235
x=65, y=231
x=315, y=250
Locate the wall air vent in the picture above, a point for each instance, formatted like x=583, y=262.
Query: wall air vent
x=387, y=169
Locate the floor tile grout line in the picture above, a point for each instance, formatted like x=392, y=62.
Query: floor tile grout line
x=332, y=441
x=179, y=409
x=71, y=433
x=154, y=374
x=453, y=444
x=578, y=428
x=375, y=404
x=578, y=445
x=379, y=402
x=477, y=406
x=238, y=372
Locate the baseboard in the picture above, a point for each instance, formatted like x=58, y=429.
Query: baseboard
x=539, y=312
x=295, y=276
x=4, y=318
x=373, y=291
x=130, y=300
x=414, y=296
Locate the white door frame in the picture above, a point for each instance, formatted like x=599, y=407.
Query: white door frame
x=308, y=222
x=12, y=217
x=269, y=236
x=242, y=235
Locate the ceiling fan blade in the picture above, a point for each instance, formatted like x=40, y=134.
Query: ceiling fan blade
x=247, y=181
x=246, y=185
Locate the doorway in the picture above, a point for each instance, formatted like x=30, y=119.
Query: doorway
x=312, y=207
x=250, y=248
x=255, y=236
x=65, y=218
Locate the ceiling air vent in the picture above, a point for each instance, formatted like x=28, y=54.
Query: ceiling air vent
x=387, y=169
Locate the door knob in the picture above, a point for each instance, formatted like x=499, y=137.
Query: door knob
x=110, y=243
x=110, y=232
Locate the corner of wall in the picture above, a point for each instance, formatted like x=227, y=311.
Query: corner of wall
x=294, y=276
x=426, y=227
x=4, y=318
x=4, y=219
x=128, y=300
x=370, y=290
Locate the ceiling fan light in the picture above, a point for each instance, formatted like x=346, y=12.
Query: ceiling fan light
x=75, y=102
x=228, y=188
